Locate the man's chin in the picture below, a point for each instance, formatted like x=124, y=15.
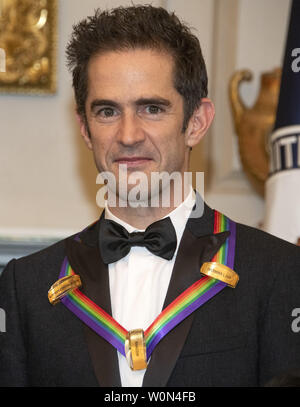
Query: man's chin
x=129, y=196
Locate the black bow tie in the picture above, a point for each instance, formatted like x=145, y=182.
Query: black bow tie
x=115, y=241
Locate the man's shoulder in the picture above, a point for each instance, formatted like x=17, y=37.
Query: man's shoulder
x=54, y=254
x=48, y=255
x=251, y=238
x=265, y=256
x=253, y=241
x=48, y=260
x=42, y=264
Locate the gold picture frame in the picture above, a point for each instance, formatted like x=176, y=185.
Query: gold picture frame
x=28, y=41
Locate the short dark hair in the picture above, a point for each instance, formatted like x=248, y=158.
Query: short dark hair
x=139, y=27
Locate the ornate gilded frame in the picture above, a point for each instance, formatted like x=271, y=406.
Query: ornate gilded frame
x=28, y=43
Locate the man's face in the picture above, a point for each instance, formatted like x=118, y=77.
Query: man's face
x=134, y=114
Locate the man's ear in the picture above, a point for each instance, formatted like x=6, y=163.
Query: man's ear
x=199, y=123
x=84, y=131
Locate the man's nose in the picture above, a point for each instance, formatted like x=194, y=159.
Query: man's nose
x=130, y=130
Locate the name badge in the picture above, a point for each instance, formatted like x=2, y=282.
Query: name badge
x=220, y=272
x=62, y=287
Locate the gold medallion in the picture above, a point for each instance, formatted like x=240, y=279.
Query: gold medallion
x=62, y=287
x=135, y=349
x=220, y=272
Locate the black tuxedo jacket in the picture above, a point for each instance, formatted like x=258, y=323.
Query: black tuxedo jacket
x=241, y=337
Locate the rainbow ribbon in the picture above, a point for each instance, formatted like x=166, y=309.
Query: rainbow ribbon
x=185, y=304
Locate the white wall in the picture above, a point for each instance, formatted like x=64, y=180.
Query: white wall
x=47, y=177
x=249, y=34
x=262, y=29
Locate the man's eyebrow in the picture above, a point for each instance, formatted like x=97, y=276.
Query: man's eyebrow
x=153, y=101
x=103, y=102
x=138, y=102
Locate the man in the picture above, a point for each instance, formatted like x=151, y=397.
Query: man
x=141, y=92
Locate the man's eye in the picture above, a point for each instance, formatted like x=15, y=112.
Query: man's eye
x=106, y=112
x=152, y=109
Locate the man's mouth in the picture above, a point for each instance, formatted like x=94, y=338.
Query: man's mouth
x=133, y=161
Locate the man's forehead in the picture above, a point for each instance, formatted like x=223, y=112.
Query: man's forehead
x=145, y=59
x=139, y=72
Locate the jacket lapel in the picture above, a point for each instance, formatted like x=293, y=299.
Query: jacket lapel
x=198, y=245
x=85, y=260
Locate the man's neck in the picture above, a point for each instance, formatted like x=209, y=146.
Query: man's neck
x=141, y=217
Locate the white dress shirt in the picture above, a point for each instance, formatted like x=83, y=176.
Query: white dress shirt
x=139, y=283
